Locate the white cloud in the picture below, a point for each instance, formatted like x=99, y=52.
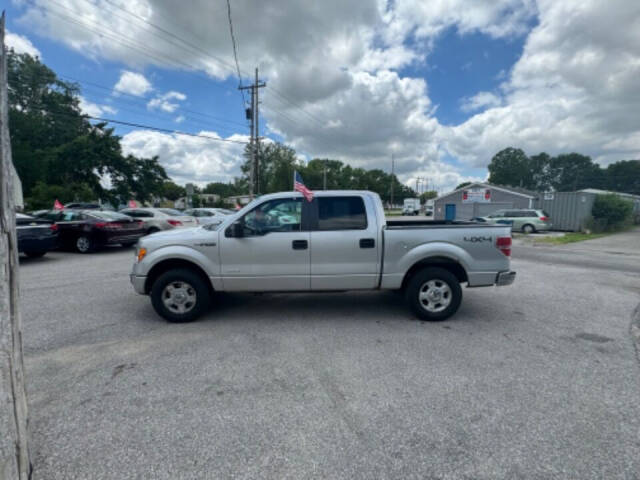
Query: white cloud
x=187, y=158
x=479, y=101
x=94, y=109
x=21, y=44
x=167, y=102
x=179, y=119
x=574, y=88
x=133, y=84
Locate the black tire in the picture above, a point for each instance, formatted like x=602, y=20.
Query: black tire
x=181, y=277
x=152, y=230
x=35, y=254
x=528, y=228
x=129, y=244
x=84, y=244
x=444, y=282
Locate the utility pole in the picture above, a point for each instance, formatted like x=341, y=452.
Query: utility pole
x=14, y=449
x=324, y=176
x=254, y=148
x=392, y=178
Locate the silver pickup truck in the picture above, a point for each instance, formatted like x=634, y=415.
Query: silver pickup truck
x=339, y=241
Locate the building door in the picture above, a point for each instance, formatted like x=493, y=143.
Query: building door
x=450, y=211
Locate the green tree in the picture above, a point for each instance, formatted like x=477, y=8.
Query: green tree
x=427, y=196
x=573, y=171
x=54, y=144
x=172, y=191
x=462, y=185
x=511, y=167
x=623, y=176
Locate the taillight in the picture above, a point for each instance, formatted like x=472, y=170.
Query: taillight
x=175, y=223
x=504, y=245
x=53, y=227
x=108, y=226
x=544, y=219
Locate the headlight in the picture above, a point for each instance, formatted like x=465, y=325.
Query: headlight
x=140, y=254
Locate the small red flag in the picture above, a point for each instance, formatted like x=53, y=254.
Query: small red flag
x=133, y=204
x=57, y=205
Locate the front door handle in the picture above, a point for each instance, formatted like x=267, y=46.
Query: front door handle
x=367, y=243
x=299, y=244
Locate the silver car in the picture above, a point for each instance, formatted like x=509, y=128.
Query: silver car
x=158, y=219
x=208, y=216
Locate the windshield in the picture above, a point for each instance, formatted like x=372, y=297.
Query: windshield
x=109, y=215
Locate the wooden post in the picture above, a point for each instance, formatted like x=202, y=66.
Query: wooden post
x=14, y=453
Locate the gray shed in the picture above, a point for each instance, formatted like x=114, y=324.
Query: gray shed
x=479, y=199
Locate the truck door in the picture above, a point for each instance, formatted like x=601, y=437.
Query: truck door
x=272, y=252
x=344, y=249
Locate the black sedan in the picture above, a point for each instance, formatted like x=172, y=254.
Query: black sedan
x=87, y=230
x=36, y=236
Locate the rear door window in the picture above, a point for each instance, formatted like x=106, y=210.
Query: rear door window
x=341, y=213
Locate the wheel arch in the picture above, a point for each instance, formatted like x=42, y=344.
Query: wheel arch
x=443, y=262
x=173, y=264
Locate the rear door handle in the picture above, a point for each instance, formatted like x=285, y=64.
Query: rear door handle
x=367, y=243
x=299, y=244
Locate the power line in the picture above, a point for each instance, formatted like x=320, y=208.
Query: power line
x=235, y=53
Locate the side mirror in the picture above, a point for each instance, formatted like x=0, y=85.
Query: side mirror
x=236, y=229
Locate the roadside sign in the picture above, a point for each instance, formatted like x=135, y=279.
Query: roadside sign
x=476, y=195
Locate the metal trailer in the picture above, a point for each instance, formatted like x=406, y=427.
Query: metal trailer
x=569, y=211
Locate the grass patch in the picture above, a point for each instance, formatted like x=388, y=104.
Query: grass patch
x=571, y=238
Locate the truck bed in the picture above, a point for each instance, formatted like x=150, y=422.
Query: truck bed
x=402, y=224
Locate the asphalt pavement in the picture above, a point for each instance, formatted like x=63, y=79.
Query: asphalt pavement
x=536, y=380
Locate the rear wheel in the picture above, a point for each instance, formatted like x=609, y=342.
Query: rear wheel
x=180, y=295
x=433, y=294
x=528, y=228
x=84, y=244
x=152, y=230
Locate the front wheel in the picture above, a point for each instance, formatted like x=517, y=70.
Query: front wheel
x=35, y=254
x=434, y=294
x=180, y=295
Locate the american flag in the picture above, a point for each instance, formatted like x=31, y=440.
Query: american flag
x=299, y=186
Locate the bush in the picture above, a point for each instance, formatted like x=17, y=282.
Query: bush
x=611, y=212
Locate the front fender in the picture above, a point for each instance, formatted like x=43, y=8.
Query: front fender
x=181, y=252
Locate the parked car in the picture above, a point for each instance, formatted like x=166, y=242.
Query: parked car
x=157, y=219
x=339, y=241
x=36, y=236
x=87, y=230
x=524, y=220
x=207, y=216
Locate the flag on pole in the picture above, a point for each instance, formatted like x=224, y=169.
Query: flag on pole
x=299, y=186
x=57, y=205
x=132, y=204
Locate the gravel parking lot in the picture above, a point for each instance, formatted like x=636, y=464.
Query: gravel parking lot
x=536, y=380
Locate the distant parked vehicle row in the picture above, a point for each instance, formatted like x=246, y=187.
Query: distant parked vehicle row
x=87, y=230
x=158, y=219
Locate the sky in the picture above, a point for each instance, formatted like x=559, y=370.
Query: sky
x=441, y=85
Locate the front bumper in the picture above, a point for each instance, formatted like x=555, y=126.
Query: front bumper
x=138, y=283
x=505, y=278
